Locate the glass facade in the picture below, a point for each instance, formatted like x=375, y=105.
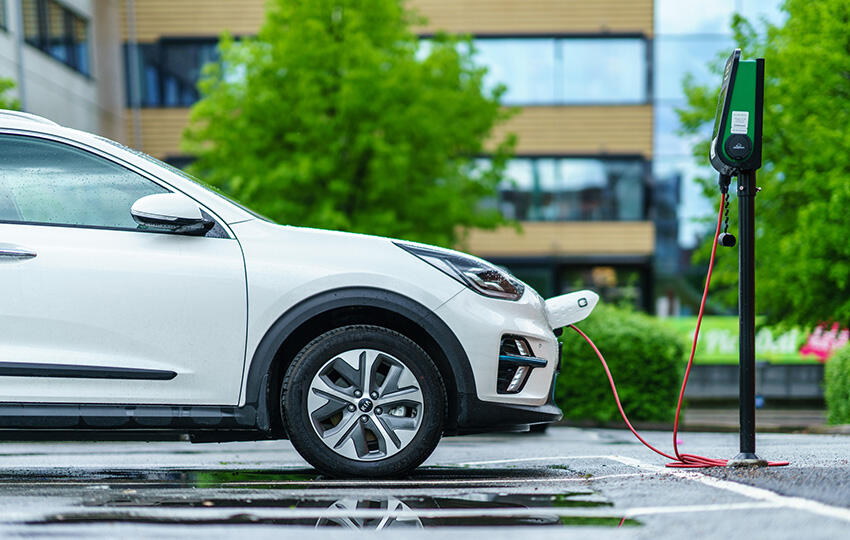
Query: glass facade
x=566, y=71
x=58, y=31
x=574, y=189
x=168, y=71
x=536, y=71
x=692, y=37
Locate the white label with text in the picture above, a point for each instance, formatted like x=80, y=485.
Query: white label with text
x=740, y=122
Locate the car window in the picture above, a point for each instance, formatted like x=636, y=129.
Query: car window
x=183, y=174
x=53, y=183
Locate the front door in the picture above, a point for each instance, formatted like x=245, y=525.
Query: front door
x=95, y=310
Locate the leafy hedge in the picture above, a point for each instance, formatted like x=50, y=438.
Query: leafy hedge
x=837, y=386
x=645, y=357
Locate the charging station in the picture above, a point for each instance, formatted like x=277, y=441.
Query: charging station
x=736, y=151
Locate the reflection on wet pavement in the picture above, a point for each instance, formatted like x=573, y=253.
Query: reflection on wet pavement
x=433, y=497
x=275, y=478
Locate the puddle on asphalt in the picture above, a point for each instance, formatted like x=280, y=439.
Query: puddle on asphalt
x=292, y=497
x=580, y=499
x=620, y=443
x=352, y=522
x=473, y=510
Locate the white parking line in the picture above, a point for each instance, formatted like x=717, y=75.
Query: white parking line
x=495, y=482
x=796, y=503
x=519, y=460
x=654, y=510
x=329, y=484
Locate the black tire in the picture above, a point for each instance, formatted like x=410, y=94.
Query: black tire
x=295, y=391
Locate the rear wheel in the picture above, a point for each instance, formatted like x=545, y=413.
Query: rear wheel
x=363, y=401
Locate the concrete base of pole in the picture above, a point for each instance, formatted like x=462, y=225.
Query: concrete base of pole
x=747, y=460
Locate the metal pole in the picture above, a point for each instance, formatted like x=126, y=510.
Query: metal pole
x=135, y=86
x=19, y=54
x=747, y=319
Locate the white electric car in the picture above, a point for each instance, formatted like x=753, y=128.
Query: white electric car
x=133, y=299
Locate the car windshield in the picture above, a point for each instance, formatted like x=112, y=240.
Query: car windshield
x=185, y=175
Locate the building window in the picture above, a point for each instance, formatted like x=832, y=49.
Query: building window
x=80, y=43
x=536, y=71
x=168, y=71
x=3, y=14
x=574, y=189
x=566, y=71
x=58, y=31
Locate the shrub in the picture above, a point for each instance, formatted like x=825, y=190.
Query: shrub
x=645, y=357
x=6, y=86
x=837, y=386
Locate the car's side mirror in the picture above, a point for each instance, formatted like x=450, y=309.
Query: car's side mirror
x=172, y=212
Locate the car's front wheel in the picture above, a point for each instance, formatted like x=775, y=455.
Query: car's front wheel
x=363, y=401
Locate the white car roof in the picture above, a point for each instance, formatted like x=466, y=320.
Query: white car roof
x=6, y=114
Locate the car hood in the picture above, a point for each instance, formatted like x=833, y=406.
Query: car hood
x=333, y=259
x=350, y=239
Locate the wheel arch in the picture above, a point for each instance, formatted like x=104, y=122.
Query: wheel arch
x=353, y=305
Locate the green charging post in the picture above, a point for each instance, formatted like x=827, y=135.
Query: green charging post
x=736, y=141
x=736, y=151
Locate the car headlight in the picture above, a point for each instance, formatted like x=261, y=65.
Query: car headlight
x=481, y=277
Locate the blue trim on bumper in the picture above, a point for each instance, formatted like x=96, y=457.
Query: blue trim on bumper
x=531, y=361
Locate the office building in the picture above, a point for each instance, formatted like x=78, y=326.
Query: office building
x=600, y=177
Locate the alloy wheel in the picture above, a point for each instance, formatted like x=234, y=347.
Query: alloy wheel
x=365, y=404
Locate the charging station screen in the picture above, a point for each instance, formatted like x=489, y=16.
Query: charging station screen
x=721, y=99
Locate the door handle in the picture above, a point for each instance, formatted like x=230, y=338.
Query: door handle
x=15, y=252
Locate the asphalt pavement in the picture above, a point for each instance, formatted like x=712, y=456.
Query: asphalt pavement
x=568, y=482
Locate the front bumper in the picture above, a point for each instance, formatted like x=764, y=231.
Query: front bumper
x=509, y=417
x=479, y=323
x=476, y=416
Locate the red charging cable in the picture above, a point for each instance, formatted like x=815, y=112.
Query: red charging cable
x=684, y=461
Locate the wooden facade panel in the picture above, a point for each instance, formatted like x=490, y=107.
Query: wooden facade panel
x=540, y=130
x=185, y=18
x=190, y=18
x=161, y=130
x=625, y=129
x=536, y=16
x=565, y=239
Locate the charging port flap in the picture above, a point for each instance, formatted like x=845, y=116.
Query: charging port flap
x=570, y=308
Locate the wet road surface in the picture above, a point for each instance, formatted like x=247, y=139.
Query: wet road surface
x=565, y=483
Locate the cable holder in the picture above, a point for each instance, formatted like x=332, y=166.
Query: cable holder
x=726, y=239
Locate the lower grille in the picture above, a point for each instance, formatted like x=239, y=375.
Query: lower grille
x=515, y=364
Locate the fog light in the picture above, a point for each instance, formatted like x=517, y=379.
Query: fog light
x=518, y=379
x=522, y=347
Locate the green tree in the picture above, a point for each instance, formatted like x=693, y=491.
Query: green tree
x=7, y=102
x=331, y=118
x=802, y=217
